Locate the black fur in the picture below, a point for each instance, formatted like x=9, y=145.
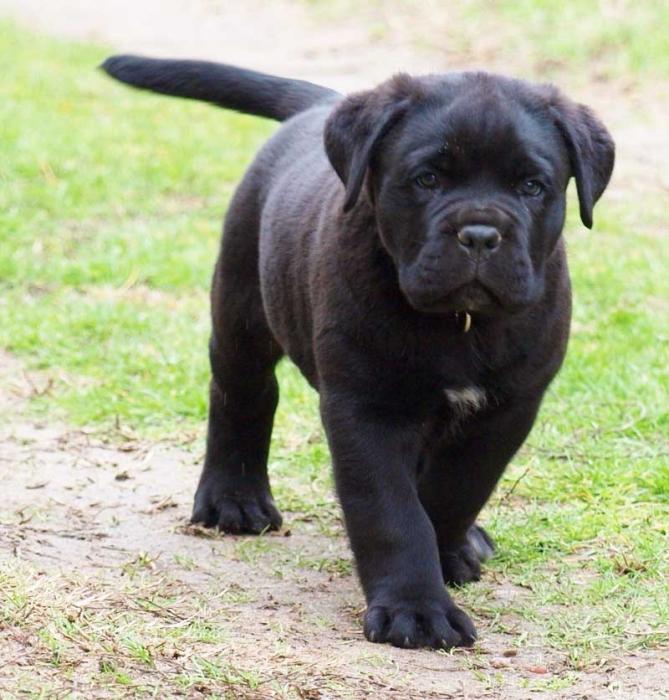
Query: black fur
x=226, y=86
x=452, y=208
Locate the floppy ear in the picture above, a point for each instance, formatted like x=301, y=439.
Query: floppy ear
x=354, y=130
x=591, y=153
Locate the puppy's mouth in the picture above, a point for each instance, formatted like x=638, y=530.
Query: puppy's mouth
x=473, y=297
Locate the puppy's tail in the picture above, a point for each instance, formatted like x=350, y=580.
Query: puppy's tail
x=226, y=86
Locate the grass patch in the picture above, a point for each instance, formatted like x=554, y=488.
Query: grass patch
x=109, y=640
x=610, y=39
x=110, y=211
x=541, y=39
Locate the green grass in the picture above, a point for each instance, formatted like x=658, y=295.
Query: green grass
x=110, y=211
x=110, y=207
x=576, y=40
x=612, y=39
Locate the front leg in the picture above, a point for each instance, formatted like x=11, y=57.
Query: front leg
x=458, y=478
x=392, y=538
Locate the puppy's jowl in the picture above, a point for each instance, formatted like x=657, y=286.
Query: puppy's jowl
x=403, y=247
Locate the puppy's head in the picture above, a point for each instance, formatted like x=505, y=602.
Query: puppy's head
x=467, y=176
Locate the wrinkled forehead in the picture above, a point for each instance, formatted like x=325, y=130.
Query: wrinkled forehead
x=478, y=127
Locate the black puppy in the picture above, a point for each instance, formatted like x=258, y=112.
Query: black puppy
x=427, y=299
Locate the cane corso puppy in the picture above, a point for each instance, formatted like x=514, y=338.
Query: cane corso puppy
x=403, y=247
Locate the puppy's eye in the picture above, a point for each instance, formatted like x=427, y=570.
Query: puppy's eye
x=427, y=181
x=530, y=188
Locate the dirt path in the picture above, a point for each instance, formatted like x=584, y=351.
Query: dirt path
x=274, y=35
x=102, y=526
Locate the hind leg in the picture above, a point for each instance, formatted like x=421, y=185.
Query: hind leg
x=458, y=479
x=234, y=491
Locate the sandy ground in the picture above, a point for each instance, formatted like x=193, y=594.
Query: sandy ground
x=264, y=34
x=75, y=501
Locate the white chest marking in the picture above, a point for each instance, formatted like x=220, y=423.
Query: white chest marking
x=466, y=401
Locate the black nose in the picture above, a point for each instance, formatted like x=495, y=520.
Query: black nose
x=479, y=237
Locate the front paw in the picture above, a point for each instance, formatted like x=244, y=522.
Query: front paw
x=463, y=564
x=410, y=624
x=235, y=508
